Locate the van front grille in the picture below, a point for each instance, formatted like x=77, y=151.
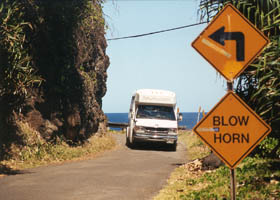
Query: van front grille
x=156, y=130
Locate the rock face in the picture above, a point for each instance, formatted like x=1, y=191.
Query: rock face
x=74, y=105
x=67, y=47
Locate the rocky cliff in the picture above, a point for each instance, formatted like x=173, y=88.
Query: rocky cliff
x=64, y=42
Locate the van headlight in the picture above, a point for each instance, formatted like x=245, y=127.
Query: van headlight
x=172, y=131
x=139, y=129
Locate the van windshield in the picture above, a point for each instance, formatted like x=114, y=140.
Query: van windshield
x=155, y=112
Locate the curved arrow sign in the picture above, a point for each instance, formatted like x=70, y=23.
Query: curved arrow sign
x=220, y=36
x=230, y=42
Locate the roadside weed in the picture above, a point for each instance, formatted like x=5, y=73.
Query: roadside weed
x=257, y=178
x=37, y=152
x=195, y=147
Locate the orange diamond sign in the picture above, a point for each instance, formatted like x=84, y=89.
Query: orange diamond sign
x=232, y=129
x=230, y=42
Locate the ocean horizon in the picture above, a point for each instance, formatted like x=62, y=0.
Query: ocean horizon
x=190, y=119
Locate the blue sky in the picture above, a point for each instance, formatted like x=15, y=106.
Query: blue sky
x=160, y=61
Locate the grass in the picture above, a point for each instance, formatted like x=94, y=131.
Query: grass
x=37, y=152
x=257, y=178
x=196, y=148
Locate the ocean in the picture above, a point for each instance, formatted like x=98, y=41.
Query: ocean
x=189, y=119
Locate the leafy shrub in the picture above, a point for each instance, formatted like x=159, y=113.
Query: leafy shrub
x=17, y=72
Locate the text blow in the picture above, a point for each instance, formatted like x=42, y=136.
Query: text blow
x=220, y=121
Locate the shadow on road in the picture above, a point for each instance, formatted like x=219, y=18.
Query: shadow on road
x=4, y=170
x=152, y=146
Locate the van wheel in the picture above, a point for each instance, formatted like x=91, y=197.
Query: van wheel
x=173, y=146
x=129, y=144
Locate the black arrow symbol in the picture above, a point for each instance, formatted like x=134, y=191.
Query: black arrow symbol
x=220, y=36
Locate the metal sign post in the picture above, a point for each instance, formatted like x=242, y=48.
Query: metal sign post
x=232, y=184
x=232, y=171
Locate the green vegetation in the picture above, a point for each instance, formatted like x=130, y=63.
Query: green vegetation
x=259, y=85
x=30, y=39
x=195, y=148
x=37, y=152
x=257, y=178
x=17, y=72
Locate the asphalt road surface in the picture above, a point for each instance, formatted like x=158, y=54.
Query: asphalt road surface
x=124, y=174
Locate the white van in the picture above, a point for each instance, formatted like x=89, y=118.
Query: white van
x=153, y=116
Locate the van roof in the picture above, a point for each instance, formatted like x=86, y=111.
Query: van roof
x=155, y=92
x=155, y=96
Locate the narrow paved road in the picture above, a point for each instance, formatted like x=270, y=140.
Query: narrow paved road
x=130, y=174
